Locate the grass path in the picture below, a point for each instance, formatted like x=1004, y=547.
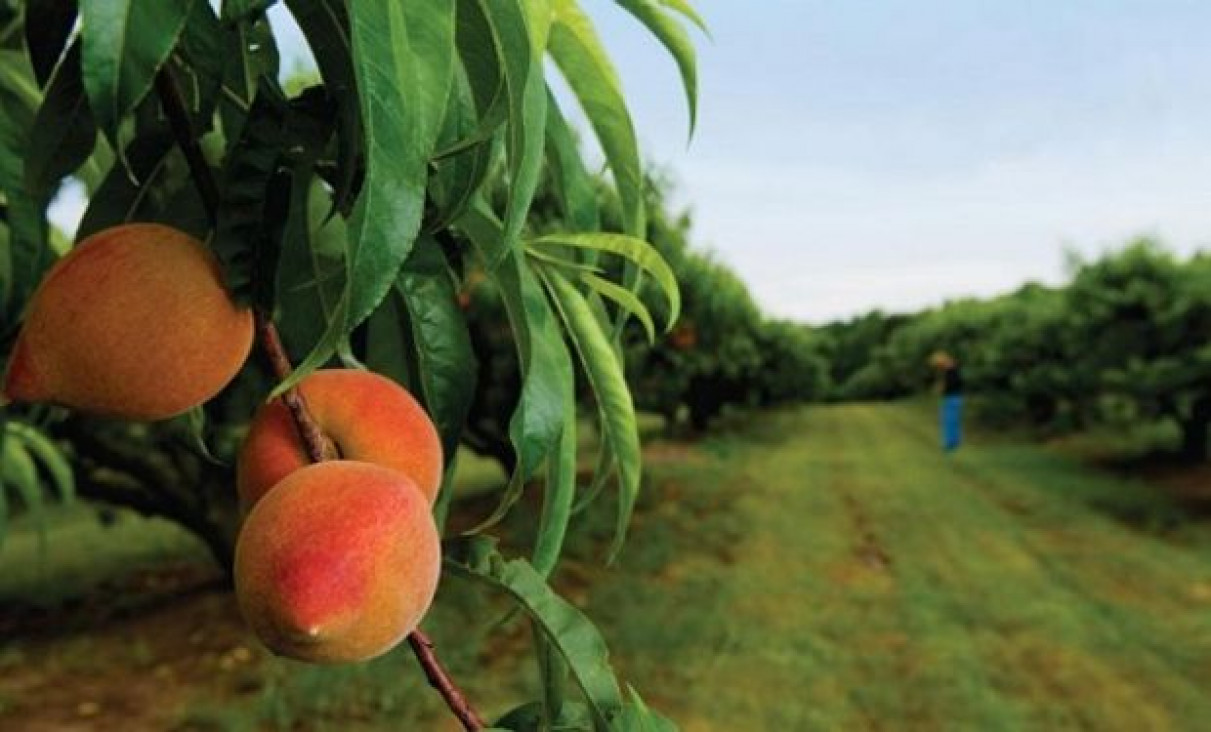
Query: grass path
x=834, y=570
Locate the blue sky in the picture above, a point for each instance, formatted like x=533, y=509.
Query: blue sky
x=855, y=154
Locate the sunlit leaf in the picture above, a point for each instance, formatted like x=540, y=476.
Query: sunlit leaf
x=403, y=59
x=520, y=29
x=578, y=52
x=668, y=29
x=610, y=390
x=634, y=250
x=570, y=633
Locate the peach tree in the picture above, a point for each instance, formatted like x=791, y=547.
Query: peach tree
x=346, y=214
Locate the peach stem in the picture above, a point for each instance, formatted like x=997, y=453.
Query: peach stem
x=319, y=446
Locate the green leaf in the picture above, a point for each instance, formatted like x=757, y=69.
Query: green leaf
x=458, y=177
x=253, y=56
x=545, y=363
x=635, y=250
x=624, y=298
x=311, y=265
x=520, y=28
x=638, y=717
x=206, y=45
x=29, y=251
x=124, y=193
x=552, y=674
x=573, y=185
x=403, y=58
x=559, y=490
x=64, y=133
x=445, y=361
x=578, y=52
x=605, y=375
x=241, y=238
x=18, y=472
x=667, y=28
x=125, y=44
x=569, y=632
x=684, y=7
x=234, y=10
x=48, y=24
x=51, y=457
x=325, y=24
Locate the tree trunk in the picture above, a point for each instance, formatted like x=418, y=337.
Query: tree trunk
x=1195, y=430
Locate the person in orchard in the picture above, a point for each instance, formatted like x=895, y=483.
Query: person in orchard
x=951, y=386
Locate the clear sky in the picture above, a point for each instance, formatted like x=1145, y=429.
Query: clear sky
x=854, y=154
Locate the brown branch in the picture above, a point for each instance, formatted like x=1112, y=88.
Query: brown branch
x=319, y=447
x=440, y=680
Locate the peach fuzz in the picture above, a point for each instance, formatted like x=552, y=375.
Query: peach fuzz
x=338, y=563
x=134, y=322
x=369, y=417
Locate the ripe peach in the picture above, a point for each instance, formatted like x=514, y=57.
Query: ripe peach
x=134, y=322
x=369, y=417
x=338, y=562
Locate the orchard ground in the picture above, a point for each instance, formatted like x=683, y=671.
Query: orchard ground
x=822, y=568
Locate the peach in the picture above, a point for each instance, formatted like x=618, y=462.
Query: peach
x=339, y=562
x=134, y=322
x=369, y=417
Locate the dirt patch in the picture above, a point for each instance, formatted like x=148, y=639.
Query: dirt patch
x=153, y=642
x=867, y=549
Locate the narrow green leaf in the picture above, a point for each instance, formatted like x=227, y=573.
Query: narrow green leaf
x=574, y=186
x=404, y=61
x=559, y=491
x=18, y=471
x=240, y=237
x=684, y=7
x=48, y=24
x=325, y=24
x=520, y=29
x=635, y=250
x=234, y=10
x=577, y=51
x=605, y=375
x=64, y=133
x=665, y=27
x=457, y=177
x=552, y=675
x=637, y=717
x=546, y=365
x=125, y=43
x=624, y=299
x=29, y=251
x=311, y=265
x=555, y=260
x=206, y=46
x=123, y=193
x=51, y=457
x=570, y=633
x=445, y=360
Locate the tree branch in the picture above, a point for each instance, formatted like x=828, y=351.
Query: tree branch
x=423, y=647
x=319, y=447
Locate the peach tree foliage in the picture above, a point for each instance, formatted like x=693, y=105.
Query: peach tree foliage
x=350, y=210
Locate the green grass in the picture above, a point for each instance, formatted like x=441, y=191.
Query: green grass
x=824, y=568
x=78, y=551
x=831, y=569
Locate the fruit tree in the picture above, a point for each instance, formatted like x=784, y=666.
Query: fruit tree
x=327, y=228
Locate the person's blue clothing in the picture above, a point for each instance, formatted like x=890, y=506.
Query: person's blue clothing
x=952, y=421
